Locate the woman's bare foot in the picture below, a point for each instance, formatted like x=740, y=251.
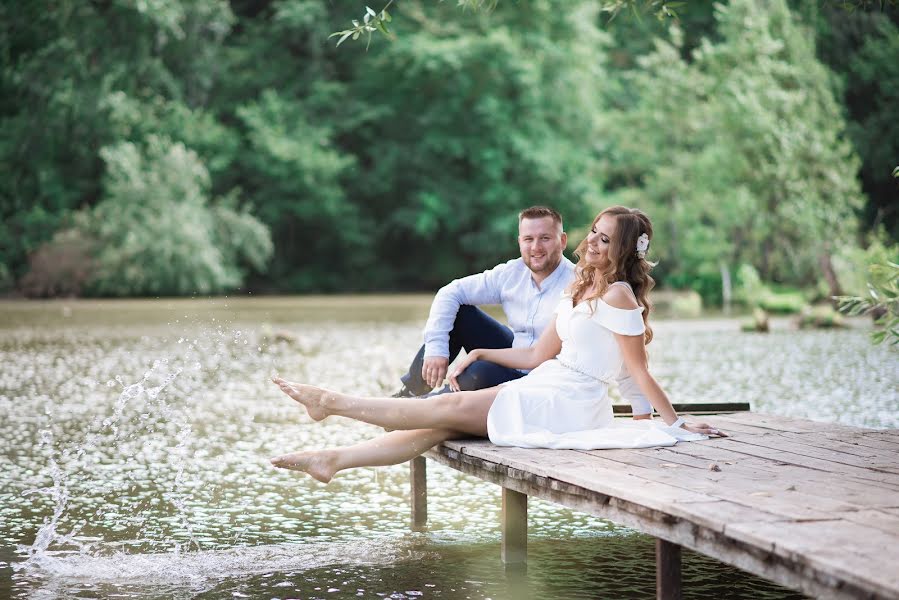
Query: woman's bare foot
x=316, y=400
x=320, y=464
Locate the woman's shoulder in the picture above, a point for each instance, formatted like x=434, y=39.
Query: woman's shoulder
x=620, y=295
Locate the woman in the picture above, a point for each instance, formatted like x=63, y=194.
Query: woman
x=601, y=326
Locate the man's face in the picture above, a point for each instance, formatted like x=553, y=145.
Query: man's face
x=541, y=242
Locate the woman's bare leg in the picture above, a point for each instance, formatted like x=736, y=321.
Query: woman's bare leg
x=460, y=411
x=389, y=449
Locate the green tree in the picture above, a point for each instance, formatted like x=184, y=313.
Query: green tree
x=747, y=158
x=481, y=119
x=154, y=232
x=66, y=66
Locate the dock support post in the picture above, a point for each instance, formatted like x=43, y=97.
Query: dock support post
x=668, y=576
x=418, y=475
x=515, y=528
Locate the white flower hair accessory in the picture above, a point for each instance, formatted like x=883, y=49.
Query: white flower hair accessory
x=642, y=245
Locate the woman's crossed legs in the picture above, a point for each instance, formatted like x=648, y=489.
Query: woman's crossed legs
x=423, y=423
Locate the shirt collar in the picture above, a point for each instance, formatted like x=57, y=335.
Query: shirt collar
x=563, y=265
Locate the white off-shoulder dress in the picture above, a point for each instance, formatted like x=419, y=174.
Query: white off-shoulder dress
x=564, y=402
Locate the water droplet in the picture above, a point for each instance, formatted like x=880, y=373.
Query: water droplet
x=110, y=383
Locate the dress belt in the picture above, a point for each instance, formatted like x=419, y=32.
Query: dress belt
x=606, y=379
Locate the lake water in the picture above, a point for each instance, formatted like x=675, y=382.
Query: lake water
x=136, y=434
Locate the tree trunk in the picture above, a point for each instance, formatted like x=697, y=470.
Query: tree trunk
x=833, y=284
x=726, y=287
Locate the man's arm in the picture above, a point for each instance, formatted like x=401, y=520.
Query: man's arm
x=482, y=288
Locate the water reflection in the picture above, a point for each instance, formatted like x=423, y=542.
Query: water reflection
x=146, y=427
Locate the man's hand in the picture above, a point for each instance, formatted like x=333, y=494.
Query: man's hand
x=433, y=370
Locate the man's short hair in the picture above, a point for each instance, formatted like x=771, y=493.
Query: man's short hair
x=539, y=212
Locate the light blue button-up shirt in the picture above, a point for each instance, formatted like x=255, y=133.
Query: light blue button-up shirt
x=529, y=309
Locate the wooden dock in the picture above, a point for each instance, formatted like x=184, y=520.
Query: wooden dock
x=812, y=506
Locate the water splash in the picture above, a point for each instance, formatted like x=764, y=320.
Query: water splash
x=196, y=567
x=46, y=535
x=63, y=476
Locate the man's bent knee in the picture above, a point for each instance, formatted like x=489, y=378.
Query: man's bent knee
x=479, y=375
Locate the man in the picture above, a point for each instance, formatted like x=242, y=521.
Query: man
x=528, y=288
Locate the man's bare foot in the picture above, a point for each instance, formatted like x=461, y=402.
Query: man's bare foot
x=315, y=399
x=320, y=464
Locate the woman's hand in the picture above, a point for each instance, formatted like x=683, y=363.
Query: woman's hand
x=704, y=428
x=469, y=358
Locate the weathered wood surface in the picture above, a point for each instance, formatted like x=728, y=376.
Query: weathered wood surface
x=668, y=572
x=813, y=506
x=515, y=527
x=418, y=473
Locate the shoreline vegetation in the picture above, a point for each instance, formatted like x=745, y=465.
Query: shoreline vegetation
x=146, y=153
x=411, y=307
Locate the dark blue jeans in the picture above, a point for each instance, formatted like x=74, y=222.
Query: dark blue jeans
x=473, y=328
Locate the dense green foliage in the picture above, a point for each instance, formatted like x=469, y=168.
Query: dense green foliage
x=743, y=148
x=166, y=147
x=882, y=300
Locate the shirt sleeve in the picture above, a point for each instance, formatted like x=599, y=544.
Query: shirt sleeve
x=630, y=391
x=482, y=288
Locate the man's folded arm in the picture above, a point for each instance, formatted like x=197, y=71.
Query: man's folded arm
x=481, y=288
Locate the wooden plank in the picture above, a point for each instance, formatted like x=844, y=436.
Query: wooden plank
x=834, y=444
x=718, y=515
x=864, y=440
x=785, y=443
x=813, y=469
x=682, y=528
x=625, y=511
x=783, y=456
x=668, y=573
x=418, y=476
x=884, y=519
x=515, y=528
x=791, y=424
x=848, y=552
x=748, y=556
x=575, y=468
x=783, y=490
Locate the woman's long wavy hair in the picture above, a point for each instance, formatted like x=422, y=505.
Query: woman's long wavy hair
x=624, y=264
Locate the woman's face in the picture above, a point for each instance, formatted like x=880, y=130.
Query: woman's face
x=599, y=240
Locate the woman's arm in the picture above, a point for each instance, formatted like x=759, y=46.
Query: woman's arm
x=547, y=347
x=633, y=350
